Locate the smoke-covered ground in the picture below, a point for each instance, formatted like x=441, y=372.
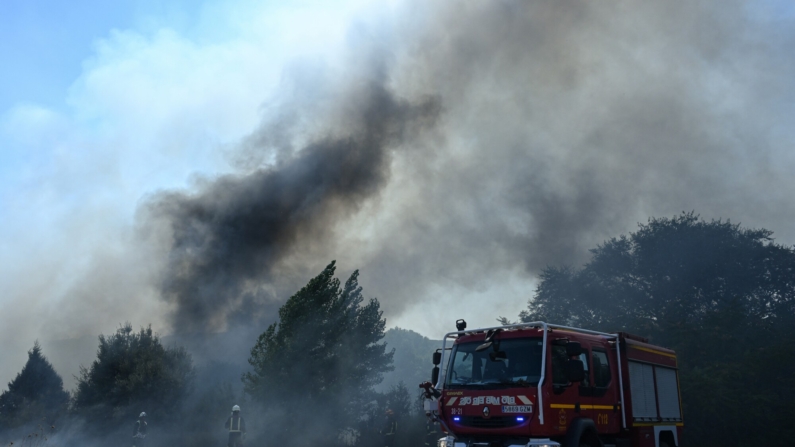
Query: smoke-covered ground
x=448, y=150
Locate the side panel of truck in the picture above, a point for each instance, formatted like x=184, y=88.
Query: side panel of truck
x=654, y=408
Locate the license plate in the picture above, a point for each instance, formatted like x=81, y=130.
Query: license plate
x=517, y=408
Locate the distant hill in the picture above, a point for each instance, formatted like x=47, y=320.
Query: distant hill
x=413, y=353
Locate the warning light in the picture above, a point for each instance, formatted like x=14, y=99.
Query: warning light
x=519, y=418
x=457, y=418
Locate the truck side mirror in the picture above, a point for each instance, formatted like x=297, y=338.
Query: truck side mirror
x=437, y=358
x=573, y=349
x=435, y=374
x=575, y=370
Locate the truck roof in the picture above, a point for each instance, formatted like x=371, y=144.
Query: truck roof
x=638, y=348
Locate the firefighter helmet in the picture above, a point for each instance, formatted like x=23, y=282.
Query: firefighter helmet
x=235, y=408
x=142, y=415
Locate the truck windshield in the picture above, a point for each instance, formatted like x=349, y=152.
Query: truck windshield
x=515, y=363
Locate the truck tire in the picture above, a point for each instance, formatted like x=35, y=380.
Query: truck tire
x=579, y=434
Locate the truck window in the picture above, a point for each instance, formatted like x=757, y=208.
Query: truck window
x=584, y=358
x=463, y=365
x=559, y=361
x=601, y=369
x=518, y=365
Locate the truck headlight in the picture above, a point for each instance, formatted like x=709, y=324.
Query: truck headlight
x=447, y=441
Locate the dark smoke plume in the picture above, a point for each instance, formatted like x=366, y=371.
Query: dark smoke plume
x=565, y=123
x=229, y=237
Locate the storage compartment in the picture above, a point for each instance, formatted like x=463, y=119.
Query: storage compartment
x=643, y=378
x=667, y=393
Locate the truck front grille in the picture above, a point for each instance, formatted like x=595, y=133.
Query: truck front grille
x=492, y=422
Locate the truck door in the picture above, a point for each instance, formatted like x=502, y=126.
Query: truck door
x=566, y=403
x=585, y=388
x=604, y=395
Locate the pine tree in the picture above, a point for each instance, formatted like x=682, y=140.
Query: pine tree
x=317, y=366
x=35, y=395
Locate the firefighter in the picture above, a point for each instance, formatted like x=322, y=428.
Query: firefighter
x=139, y=430
x=390, y=429
x=237, y=428
x=431, y=433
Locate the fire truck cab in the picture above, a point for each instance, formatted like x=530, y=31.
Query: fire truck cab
x=539, y=384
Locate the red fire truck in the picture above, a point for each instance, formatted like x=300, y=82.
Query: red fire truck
x=543, y=385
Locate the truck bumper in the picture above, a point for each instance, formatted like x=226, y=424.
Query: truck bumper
x=449, y=441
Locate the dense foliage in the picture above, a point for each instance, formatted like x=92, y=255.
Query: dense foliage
x=320, y=361
x=408, y=418
x=35, y=396
x=721, y=295
x=133, y=372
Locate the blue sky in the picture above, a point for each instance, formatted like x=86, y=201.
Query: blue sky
x=60, y=59
x=43, y=44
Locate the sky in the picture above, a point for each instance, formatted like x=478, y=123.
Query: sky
x=190, y=166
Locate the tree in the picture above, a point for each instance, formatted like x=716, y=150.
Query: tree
x=133, y=372
x=35, y=395
x=410, y=421
x=722, y=296
x=318, y=364
x=204, y=418
x=218, y=388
